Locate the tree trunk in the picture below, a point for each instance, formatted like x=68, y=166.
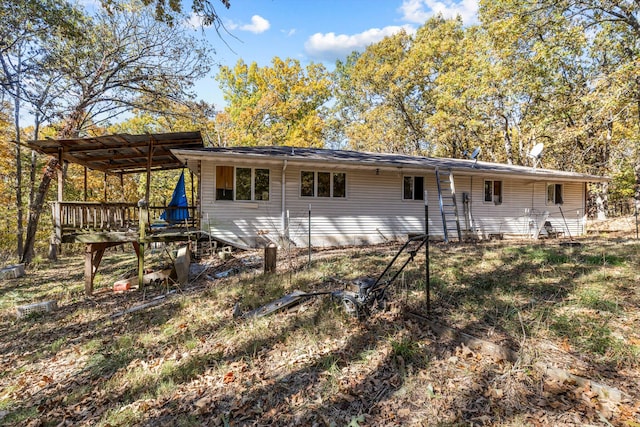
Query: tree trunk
x=637, y=165
x=36, y=209
x=20, y=210
x=34, y=162
x=602, y=199
x=70, y=129
x=508, y=145
x=637, y=174
x=16, y=119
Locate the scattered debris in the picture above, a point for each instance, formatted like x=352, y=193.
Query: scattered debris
x=496, y=351
x=287, y=301
x=603, y=391
x=123, y=285
x=38, y=307
x=155, y=301
x=225, y=273
x=12, y=271
x=367, y=292
x=181, y=263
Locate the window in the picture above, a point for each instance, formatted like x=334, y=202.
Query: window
x=224, y=182
x=493, y=191
x=243, y=183
x=554, y=194
x=413, y=188
x=261, y=184
x=339, y=185
x=250, y=183
x=323, y=184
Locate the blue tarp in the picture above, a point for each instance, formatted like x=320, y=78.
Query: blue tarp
x=177, y=209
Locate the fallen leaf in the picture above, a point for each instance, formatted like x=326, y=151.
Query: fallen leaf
x=229, y=377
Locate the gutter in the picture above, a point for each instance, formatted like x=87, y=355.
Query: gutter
x=283, y=219
x=459, y=166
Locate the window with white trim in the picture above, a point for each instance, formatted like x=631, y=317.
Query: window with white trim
x=242, y=184
x=554, y=194
x=323, y=184
x=413, y=188
x=493, y=191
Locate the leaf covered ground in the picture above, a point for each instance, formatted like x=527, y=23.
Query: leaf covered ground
x=568, y=314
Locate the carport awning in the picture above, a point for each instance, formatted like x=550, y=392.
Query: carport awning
x=121, y=153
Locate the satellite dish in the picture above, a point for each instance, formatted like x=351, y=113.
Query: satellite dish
x=536, y=153
x=474, y=156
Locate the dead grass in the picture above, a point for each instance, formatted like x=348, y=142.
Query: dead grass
x=188, y=361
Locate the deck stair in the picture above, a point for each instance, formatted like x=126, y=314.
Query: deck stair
x=448, y=204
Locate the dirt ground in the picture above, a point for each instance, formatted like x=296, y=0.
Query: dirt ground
x=186, y=360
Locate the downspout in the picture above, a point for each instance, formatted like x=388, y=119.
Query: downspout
x=283, y=219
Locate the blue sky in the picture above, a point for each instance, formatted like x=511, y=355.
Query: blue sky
x=314, y=30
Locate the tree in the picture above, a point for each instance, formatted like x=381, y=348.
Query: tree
x=166, y=11
x=383, y=98
x=278, y=105
x=25, y=27
x=589, y=50
x=411, y=93
x=125, y=60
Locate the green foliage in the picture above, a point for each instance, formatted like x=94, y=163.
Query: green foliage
x=278, y=105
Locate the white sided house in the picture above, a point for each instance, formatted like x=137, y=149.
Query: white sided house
x=256, y=195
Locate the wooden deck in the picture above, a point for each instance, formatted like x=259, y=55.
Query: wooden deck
x=103, y=225
x=97, y=222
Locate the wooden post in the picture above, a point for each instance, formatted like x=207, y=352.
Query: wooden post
x=60, y=176
x=193, y=201
x=88, y=270
x=92, y=262
x=147, y=192
x=56, y=240
x=122, y=195
x=85, y=183
x=270, y=258
x=142, y=224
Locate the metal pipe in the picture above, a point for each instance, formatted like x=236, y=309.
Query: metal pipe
x=309, y=234
x=283, y=222
x=636, y=212
x=426, y=253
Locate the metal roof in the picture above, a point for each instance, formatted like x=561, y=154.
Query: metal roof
x=121, y=153
x=378, y=160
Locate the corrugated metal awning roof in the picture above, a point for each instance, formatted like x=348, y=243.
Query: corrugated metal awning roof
x=121, y=153
x=373, y=160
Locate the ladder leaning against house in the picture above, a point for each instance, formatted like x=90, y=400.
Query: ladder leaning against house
x=448, y=204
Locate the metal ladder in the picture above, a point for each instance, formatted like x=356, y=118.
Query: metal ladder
x=448, y=204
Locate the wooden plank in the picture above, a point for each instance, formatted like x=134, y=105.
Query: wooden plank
x=486, y=347
x=182, y=262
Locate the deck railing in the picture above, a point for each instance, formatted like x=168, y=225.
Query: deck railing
x=93, y=216
x=88, y=217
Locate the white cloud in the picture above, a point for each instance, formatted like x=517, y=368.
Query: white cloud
x=289, y=33
x=330, y=46
x=258, y=25
x=194, y=22
x=418, y=11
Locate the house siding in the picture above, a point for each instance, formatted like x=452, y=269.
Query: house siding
x=523, y=206
x=254, y=223
x=374, y=210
